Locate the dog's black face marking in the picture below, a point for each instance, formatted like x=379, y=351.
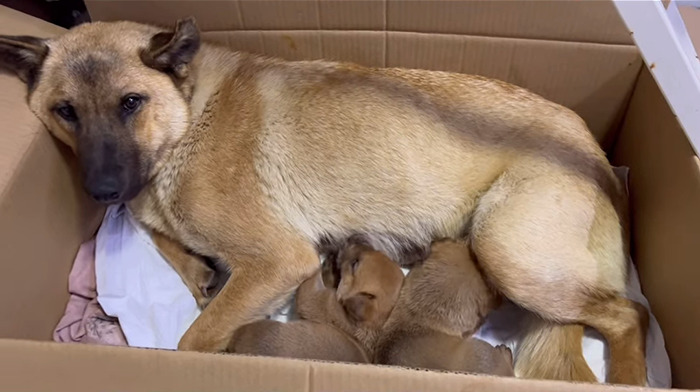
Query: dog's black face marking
x=104, y=91
x=104, y=122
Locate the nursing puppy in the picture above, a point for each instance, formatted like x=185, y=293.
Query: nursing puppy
x=323, y=332
x=351, y=296
x=443, y=302
x=255, y=162
x=368, y=285
x=299, y=339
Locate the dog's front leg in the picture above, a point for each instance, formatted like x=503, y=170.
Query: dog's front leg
x=262, y=276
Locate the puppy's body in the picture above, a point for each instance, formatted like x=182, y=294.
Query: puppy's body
x=255, y=162
x=431, y=349
x=446, y=293
x=443, y=301
x=299, y=339
x=368, y=288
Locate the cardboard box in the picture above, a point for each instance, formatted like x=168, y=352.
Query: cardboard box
x=578, y=54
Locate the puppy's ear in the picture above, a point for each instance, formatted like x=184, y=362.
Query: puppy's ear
x=24, y=56
x=172, y=52
x=358, y=308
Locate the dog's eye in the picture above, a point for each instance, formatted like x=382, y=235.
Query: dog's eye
x=67, y=112
x=369, y=296
x=131, y=102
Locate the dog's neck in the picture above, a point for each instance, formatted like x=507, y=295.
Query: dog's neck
x=210, y=67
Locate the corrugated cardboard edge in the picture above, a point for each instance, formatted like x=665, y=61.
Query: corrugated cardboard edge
x=32, y=366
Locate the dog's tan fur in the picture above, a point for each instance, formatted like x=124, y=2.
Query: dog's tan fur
x=252, y=161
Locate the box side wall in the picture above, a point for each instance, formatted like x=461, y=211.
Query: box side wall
x=665, y=203
x=578, y=55
x=44, y=214
x=591, y=21
x=95, y=368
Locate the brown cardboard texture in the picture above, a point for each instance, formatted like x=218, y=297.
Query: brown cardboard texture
x=575, y=53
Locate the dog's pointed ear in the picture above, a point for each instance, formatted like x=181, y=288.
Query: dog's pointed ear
x=172, y=52
x=23, y=55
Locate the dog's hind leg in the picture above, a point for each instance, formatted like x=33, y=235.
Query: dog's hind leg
x=624, y=325
x=553, y=244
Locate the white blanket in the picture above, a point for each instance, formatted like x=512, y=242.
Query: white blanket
x=136, y=284
x=155, y=308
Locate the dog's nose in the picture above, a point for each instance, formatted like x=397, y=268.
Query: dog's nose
x=106, y=191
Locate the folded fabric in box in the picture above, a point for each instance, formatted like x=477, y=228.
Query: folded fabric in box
x=84, y=320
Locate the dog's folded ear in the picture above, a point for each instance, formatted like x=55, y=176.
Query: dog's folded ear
x=23, y=55
x=171, y=52
x=357, y=308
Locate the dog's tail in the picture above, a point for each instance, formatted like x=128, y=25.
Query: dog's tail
x=553, y=352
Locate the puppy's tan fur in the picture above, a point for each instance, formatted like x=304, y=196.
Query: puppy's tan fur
x=443, y=302
x=369, y=284
x=253, y=161
x=299, y=339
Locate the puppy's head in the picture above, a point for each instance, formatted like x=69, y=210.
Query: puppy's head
x=116, y=93
x=369, y=285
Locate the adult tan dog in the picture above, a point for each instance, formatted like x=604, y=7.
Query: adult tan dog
x=256, y=161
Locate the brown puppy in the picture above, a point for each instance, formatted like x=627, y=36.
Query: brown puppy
x=368, y=287
x=256, y=161
x=443, y=302
x=296, y=339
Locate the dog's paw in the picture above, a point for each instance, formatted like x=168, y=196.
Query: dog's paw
x=209, y=283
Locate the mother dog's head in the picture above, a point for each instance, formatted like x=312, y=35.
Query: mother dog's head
x=116, y=93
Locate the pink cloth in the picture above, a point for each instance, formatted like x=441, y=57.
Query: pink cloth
x=84, y=320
